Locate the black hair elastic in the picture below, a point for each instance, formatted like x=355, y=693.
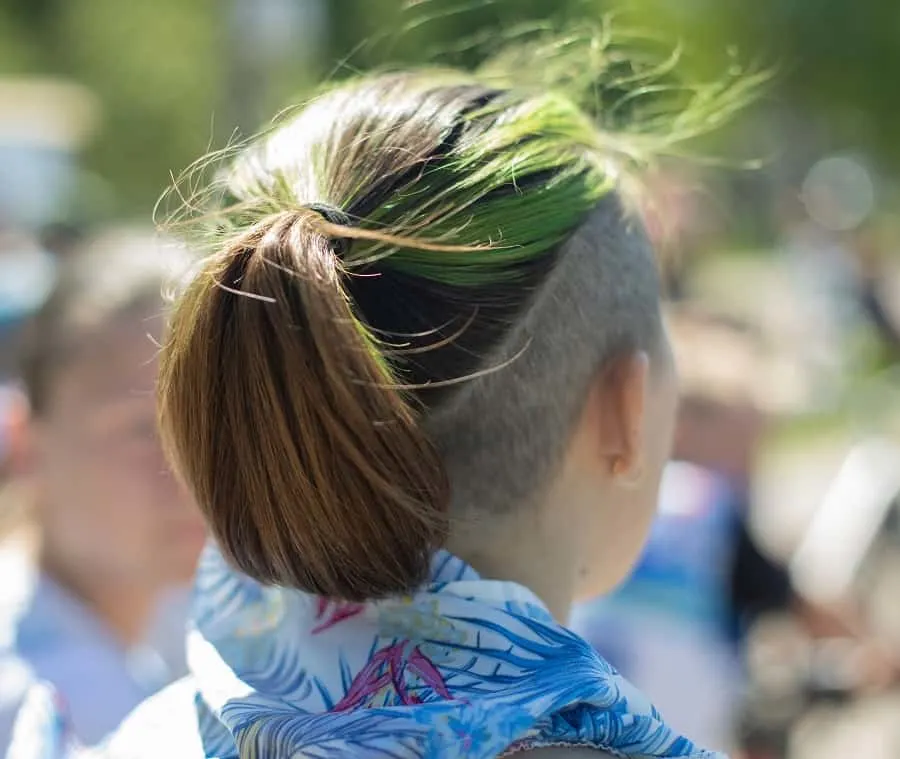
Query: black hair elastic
x=335, y=216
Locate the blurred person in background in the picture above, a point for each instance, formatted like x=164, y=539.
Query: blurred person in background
x=679, y=221
x=423, y=394
x=673, y=626
x=109, y=536
x=876, y=290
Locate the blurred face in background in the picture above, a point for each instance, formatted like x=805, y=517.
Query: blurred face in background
x=719, y=435
x=106, y=500
x=723, y=364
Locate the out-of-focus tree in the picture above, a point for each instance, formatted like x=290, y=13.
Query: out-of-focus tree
x=154, y=66
x=175, y=76
x=837, y=60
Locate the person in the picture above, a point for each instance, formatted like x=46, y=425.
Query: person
x=674, y=627
x=111, y=535
x=421, y=389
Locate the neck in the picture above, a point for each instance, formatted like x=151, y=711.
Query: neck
x=526, y=550
x=124, y=608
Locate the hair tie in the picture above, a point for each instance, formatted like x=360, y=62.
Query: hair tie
x=336, y=216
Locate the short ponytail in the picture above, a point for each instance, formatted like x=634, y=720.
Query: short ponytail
x=280, y=413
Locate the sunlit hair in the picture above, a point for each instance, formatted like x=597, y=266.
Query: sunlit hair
x=411, y=284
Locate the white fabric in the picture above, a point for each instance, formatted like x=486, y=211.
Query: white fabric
x=48, y=635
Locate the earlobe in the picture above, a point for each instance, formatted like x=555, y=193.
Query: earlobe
x=627, y=474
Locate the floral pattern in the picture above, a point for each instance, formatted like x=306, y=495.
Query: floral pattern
x=329, y=613
x=465, y=667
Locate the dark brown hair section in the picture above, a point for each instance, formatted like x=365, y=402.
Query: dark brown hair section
x=311, y=469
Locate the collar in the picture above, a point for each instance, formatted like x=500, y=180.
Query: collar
x=461, y=663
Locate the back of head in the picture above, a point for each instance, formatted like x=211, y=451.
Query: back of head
x=411, y=284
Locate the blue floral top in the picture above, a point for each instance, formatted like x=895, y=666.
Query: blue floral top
x=465, y=667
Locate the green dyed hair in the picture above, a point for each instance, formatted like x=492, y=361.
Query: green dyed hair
x=411, y=284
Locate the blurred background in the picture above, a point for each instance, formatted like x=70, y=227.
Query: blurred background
x=777, y=557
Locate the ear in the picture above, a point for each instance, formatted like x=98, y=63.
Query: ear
x=621, y=395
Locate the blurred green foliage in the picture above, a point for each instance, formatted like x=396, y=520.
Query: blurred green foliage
x=177, y=76
x=155, y=67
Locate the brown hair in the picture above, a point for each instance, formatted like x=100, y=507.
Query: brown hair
x=312, y=473
x=397, y=324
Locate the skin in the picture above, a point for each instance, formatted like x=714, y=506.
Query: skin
x=116, y=528
x=607, y=485
x=721, y=436
x=608, y=482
